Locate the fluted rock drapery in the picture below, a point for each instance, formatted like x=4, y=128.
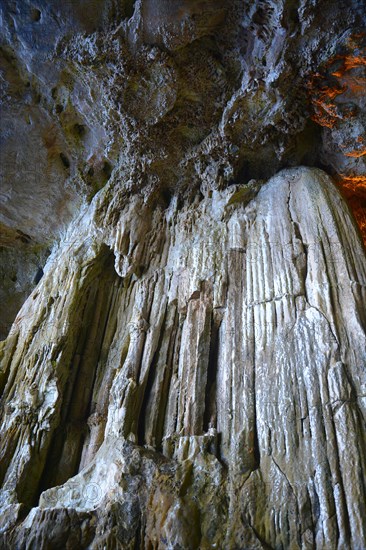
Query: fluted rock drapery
x=192, y=376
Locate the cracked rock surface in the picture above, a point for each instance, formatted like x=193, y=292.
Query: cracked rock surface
x=192, y=378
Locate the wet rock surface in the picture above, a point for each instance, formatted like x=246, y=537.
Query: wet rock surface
x=186, y=368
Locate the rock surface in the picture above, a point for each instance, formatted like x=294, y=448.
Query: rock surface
x=187, y=367
x=177, y=95
x=192, y=377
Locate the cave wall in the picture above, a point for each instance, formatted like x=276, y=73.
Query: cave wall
x=175, y=95
x=186, y=365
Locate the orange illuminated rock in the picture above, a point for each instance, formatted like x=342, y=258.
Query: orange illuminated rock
x=353, y=188
x=337, y=93
x=341, y=76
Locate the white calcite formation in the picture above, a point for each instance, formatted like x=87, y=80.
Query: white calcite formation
x=192, y=376
x=183, y=313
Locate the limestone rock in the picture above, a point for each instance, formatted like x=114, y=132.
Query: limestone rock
x=186, y=366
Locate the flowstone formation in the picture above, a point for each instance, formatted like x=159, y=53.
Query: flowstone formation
x=188, y=370
x=192, y=377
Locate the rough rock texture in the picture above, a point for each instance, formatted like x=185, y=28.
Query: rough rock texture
x=177, y=94
x=189, y=368
x=193, y=377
